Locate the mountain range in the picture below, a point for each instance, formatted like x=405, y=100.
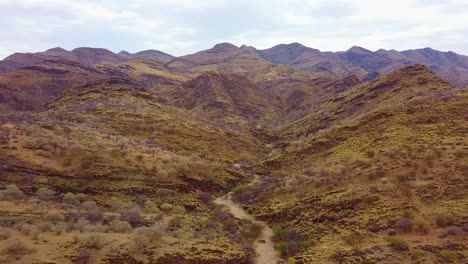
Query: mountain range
x=233, y=155
x=363, y=63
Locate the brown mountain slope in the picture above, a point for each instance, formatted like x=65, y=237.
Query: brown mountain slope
x=303, y=57
x=31, y=87
x=227, y=58
x=396, y=88
x=230, y=98
x=374, y=183
x=368, y=65
x=87, y=56
x=155, y=55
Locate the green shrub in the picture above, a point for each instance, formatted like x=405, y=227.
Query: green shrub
x=239, y=188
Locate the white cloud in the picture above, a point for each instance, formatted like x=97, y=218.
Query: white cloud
x=185, y=26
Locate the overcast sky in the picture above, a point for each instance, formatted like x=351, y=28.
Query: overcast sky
x=185, y=26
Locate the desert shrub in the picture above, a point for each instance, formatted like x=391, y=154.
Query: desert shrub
x=178, y=209
x=277, y=233
x=408, y=213
x=95, y=216
x=151, y=207
x=30, y=230
x=397, y=244
x=445, y=219
x=17, y=247
x=90, y=206
x=11, y=192
x=44, y=226
x=131, y=215
x=84, y=256
x=45, y=194
x=166, y=207
x=59, y=228
x=244, y=196
x=145, y=236
x=98, y=228
x=94, y=241
x=451, y=231
x=405, y=177
x=175, y=223
x=353, y=239
x=55, y=217
x=379, y=172
x=421, y=227
x=205, y=197
x=291, y=260
x=405, y=225
x=239, y=188
x=252, y=230
x=288, y=241
x=118, y=226
x=5, y=233
x=81, y=225
x=448, y=256
x=288, y=248
x=71, y=198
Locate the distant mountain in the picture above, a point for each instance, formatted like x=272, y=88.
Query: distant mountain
x=368, y=65
x=155, y=55
x=302, y=57
x=87, y=56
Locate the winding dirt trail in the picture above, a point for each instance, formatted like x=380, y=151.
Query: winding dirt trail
x=264, y=247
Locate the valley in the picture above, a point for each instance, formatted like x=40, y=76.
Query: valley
x=234, y=155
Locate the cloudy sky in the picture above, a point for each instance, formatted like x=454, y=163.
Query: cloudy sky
x=184, y=26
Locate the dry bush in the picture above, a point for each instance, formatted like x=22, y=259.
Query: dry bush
x=145, y=236
x=71, y=198
x=131, y=215
x=84, y=256
x=45, y=194
x=405, y=225
x=17, y=248
x=30, y=230
x=55, y=217
x=151, y=207
x=11, y=192
x=252, y=230
x=5, y=233
x=205, y=197
x=166, y=207
x=451, y=231
x=118, y=226
x=397, y=244
x=421, y=227
x=445, y=219
x=94, y=241
x=178, y=209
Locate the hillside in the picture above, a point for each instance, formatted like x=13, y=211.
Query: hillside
x=375, y=178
